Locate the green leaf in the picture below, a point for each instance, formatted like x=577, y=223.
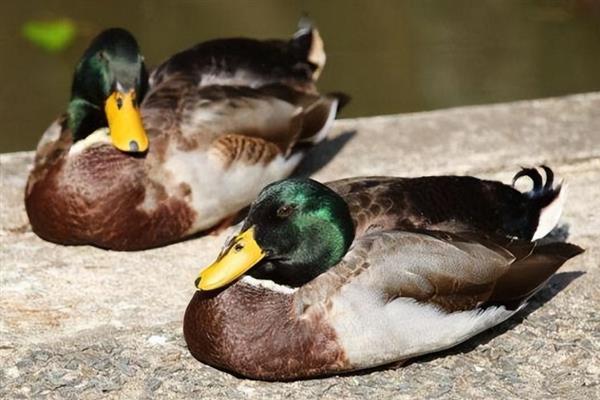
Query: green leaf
x=52, y=36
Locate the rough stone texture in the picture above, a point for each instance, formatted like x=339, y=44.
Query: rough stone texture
x=83, y=323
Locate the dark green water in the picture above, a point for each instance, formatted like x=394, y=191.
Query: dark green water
x=390, y=56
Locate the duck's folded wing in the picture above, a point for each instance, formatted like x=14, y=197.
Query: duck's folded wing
x=274, y=117
x=452, y=271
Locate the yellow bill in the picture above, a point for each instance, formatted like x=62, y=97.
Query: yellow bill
x=125, y=122
x=239, y=257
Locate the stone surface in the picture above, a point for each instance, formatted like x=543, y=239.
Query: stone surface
x=84, y=323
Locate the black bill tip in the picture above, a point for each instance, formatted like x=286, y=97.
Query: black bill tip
x=133, y=146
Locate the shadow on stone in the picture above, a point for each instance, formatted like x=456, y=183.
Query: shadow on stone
x=560, y=233
x=322, y=154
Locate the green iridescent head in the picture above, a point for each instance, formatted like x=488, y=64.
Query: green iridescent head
x=109, y=84
x=295, y=230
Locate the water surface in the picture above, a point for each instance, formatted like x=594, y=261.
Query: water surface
x=390, y=56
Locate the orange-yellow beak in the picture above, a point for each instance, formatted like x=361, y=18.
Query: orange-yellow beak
x=239, y=257
x=125, y=122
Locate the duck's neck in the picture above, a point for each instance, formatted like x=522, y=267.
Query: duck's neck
x=84, y=118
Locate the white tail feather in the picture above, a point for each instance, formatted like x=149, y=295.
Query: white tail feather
x=550, y=215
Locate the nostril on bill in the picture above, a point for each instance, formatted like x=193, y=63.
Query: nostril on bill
x=133, y=146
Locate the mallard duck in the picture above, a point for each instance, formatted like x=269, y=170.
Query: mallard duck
x=364, y=272
x=140, y=161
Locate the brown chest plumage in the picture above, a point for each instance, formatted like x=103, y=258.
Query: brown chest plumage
x=96, y=197
x=258, y=333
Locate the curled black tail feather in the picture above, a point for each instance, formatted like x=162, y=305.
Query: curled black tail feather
x=532, y=174
x=535, y=176
x=543, y=193
x=549, y=177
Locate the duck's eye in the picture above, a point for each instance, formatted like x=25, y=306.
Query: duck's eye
x=285, y=210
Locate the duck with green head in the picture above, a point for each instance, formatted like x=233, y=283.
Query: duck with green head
x=300, y=229
x=139, y=161
x=108, y=81
x=363, y=272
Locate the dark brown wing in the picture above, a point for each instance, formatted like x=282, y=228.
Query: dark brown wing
x=276, y=115
x=453, y=271
x=449, y=203
x=529, y=274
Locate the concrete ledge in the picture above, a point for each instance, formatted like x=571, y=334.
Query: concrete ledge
x=79, y=322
